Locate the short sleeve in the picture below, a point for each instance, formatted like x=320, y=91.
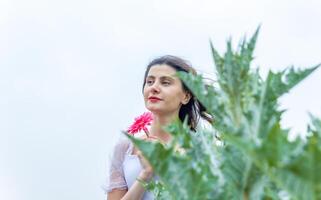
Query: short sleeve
x=116, y=178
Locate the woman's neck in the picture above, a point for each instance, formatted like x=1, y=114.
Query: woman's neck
x=157, y=127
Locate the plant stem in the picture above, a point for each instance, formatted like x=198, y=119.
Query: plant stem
x=248, y=168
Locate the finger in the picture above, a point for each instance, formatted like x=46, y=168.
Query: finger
x=139, y=153
x=152, y=137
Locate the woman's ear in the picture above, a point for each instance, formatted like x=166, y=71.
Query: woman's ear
x=187, y=97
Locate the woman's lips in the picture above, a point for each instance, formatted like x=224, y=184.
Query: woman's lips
x=154, y=99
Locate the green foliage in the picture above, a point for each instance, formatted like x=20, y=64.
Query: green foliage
x=185, y=175
x=256, y=160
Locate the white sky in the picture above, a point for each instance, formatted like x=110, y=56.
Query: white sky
x=71, y=75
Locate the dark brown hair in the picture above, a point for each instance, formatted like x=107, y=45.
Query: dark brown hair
x=193, y=110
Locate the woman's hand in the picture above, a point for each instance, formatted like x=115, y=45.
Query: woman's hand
x=147, y=173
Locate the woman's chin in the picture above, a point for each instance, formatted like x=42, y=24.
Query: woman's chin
x=154, y=109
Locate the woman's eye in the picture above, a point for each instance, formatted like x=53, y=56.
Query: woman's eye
x=166, y=83
x=149, y=82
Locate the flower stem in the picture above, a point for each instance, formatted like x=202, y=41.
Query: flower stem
x=146, y=132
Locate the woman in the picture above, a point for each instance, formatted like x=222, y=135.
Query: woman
x=167, y=98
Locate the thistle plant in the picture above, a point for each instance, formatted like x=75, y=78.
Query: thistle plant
x=256, y=160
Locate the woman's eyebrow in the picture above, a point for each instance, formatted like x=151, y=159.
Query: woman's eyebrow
x=168, y=77
x=172, y=77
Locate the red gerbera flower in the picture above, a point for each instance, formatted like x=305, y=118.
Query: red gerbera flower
x=140, y=123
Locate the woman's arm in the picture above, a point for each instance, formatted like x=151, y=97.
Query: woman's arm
x=116, y=194
x=135, y=192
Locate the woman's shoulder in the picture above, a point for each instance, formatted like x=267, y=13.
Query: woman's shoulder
x=122, y=145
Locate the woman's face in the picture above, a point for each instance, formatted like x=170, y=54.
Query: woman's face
x=163, y=90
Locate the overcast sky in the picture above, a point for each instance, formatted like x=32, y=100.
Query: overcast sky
x=71, y=75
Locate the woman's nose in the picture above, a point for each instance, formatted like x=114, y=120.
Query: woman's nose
x=155, y=87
